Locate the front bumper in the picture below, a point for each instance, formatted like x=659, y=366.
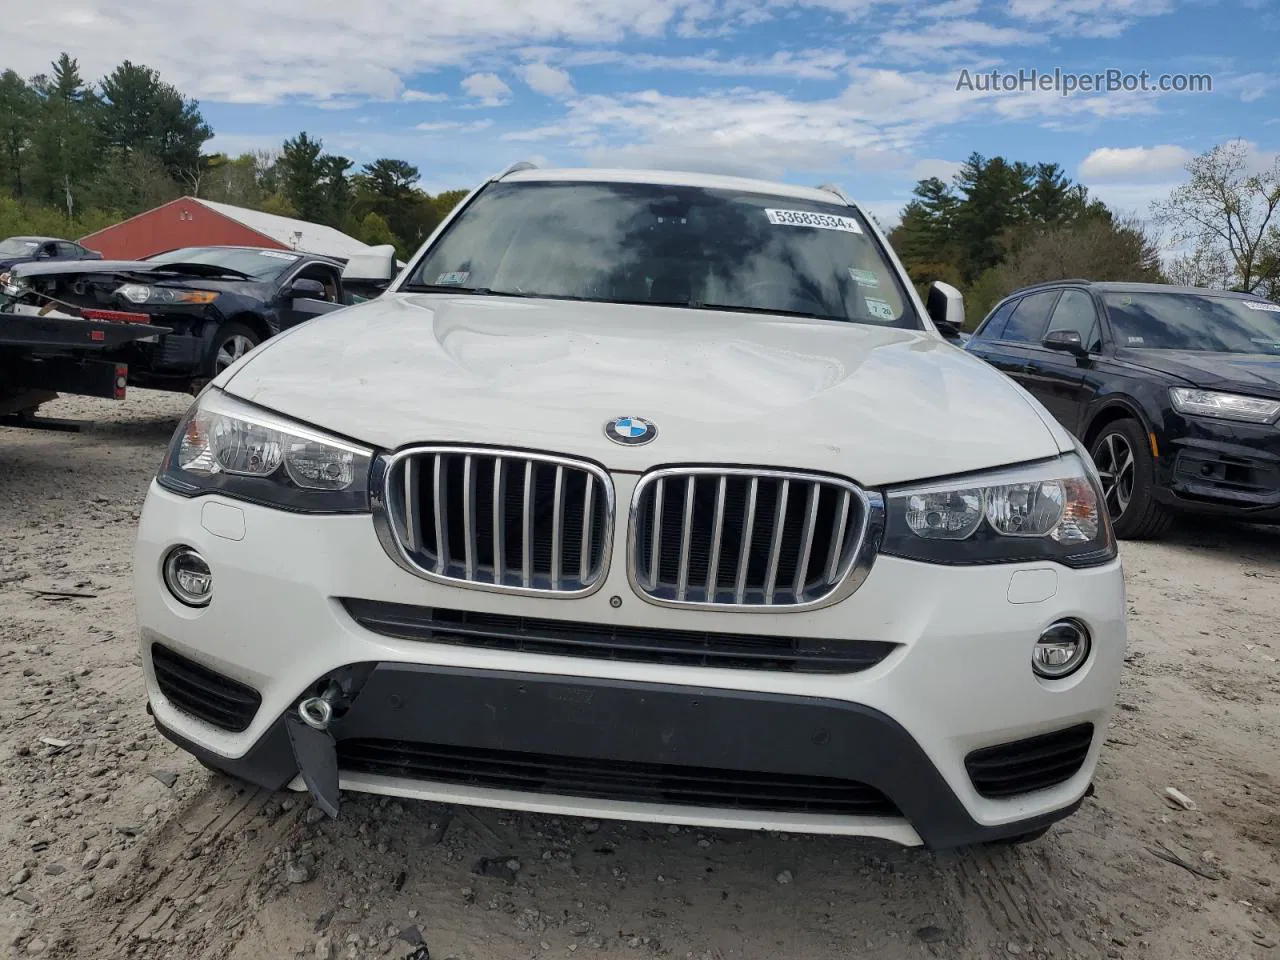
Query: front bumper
x=884, y=748
x=1222, y=468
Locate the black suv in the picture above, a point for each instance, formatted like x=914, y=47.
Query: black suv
x=1175, y=391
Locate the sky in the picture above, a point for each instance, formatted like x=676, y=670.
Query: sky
x=869, y=94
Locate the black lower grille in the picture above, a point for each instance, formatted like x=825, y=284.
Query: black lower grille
x=225, y=703
x=1028, y=765
x=609, y=642
x=612, y=779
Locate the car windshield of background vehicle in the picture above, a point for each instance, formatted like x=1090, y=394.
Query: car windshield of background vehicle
x=1181, y=321
x=259, y=264
x=712, y=249
x=17, y=248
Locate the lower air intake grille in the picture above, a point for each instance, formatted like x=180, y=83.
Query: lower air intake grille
x=611, y=779
x=693, y=648
x=1029, y=765
x=217, y=700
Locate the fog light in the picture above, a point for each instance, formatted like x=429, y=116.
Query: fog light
x=188, y=577
x=1061, y=650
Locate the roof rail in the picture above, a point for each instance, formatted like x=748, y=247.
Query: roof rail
x=1054, y=283
x=516, y=168
x=832, y=188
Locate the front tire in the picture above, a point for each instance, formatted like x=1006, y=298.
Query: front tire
x=1124, y=461
x=232, y=341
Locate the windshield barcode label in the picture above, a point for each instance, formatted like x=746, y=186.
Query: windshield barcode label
x=806, y=218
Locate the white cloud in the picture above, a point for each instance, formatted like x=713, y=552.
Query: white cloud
x=489, y=88
x=454, y=125
x=801, y=65
x=1122, y=164
x=547, y=80
x=423, y=96
x=959, y=33
x=1088, y=18
x=944, y=170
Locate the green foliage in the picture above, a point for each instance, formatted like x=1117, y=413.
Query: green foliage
x=78, y=156
x=373, y=230
x=1000, y=225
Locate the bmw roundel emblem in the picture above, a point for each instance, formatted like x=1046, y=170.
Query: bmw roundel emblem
x=630, y=431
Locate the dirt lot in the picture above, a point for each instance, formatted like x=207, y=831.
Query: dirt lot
x=114, y=844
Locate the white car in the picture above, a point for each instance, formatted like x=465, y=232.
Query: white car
x=639, y=495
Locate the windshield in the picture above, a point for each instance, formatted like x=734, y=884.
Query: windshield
x=259, y=264
x=1183, y=321
x=17, y=248
x=674, y=246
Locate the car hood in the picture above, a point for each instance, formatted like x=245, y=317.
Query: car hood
x=1251, y=373
x=204, y=272
x=875, y=404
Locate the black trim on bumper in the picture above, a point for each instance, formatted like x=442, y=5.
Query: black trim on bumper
x=639, y=723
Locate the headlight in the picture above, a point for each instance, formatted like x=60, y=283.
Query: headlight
x=142, y=293
x=1046, y=511
x=226, y=446
x=1223, y=406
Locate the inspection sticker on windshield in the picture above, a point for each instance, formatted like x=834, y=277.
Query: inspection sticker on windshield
x=452, y=279
x=277, y=256
x=878, y=308
x=806, y=218
x=1260, y=305
x=865, y=278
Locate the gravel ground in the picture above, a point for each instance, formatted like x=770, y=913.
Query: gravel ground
x=115, y=844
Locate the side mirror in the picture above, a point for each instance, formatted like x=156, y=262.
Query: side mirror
x=1068, y=341
x=946, y=309
x=307, y=289
x=375, y=266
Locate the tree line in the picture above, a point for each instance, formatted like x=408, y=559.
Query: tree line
x=1000, y=225
x=77, y=156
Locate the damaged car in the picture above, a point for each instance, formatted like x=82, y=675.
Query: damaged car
x=639, y=495
x=216, y=303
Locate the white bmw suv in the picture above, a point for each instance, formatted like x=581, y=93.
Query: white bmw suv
x=639, y=495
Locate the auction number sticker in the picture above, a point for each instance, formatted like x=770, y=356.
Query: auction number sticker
x=1260, y=305
x=277, y=256
x=806, y=218
x=454, y=279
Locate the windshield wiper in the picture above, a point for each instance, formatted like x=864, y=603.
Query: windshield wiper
x=735, y=308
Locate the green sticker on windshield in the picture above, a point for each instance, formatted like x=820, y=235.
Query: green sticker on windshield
x=864, y=278
x=878, y=308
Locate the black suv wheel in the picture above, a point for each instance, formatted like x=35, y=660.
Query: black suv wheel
x=1127, y=469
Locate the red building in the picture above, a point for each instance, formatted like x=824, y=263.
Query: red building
x=192, y=222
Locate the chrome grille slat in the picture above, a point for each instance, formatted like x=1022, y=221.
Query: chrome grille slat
x=806, y=539
x=588, y=518
x=750, y=539
x=496, y=519
x=468, y=518
x=842, y=524
x=748, y=530
x=775, y=544
x=686, y=534
x=499, y=520
x=442, y=531
x=557, y=531
x=717, y=539
x=526, y=536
